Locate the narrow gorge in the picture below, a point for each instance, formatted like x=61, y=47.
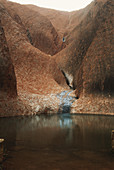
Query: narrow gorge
x=45, y=52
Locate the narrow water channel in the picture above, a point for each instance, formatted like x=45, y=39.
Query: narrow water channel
x=66, y=101
x=57, y=142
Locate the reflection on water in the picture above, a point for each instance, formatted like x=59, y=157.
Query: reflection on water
x=42, y=139
x=65, y=121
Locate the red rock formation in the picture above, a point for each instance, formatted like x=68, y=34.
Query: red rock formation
x=66, y=23
x=98, y=67
x=41, y=32
x=86, y=62
x=59, y=19
x=89, y=57
x=35, y=71
x=7, y=74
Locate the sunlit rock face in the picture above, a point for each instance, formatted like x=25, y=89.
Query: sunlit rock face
x=7, y=74
x=36, y=72
x=41, y=32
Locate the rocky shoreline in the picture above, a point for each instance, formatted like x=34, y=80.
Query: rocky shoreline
x=33, y=104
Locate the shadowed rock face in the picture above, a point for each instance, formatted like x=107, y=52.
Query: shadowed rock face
x=89, y=57
x=7, y=75
x=97, y=66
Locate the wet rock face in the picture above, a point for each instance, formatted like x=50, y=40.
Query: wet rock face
x=7, y=75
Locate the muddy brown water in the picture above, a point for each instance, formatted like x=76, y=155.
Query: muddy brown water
x=57, y=142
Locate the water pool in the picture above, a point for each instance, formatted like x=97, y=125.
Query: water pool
x=58, y=142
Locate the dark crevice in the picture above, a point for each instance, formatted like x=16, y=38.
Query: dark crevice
x=29, y=36
x=67, y=80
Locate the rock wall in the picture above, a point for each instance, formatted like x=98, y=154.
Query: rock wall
x=7, y=74
x=35, y=71
x=97, y=67
x=88, y=58
x=43, y=34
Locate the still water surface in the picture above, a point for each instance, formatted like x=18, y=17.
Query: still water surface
x=58, y=142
